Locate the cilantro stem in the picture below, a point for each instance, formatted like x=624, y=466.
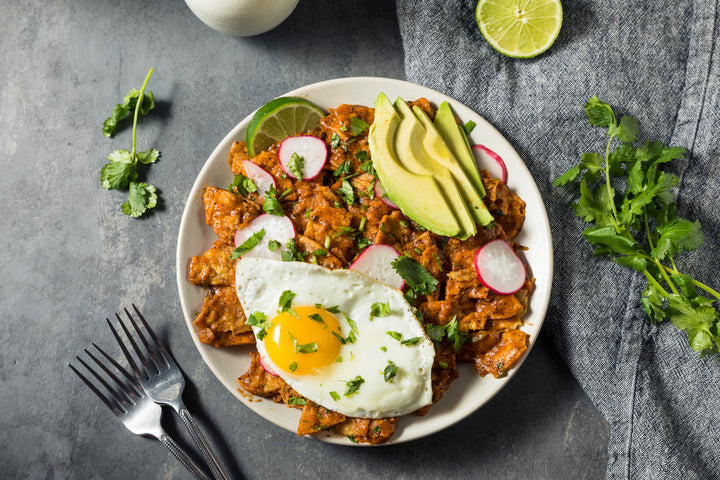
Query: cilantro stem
x=138, y=105
x=611, y=194
x=655, y=283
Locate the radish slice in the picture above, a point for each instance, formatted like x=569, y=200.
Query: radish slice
x=499, y=268
x=490, y=161
x=262, y=179
x=382, y=195
x=276, y=228
x=266, y=368
x=376, y=262
x=312, y=150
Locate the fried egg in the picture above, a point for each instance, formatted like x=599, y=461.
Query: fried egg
x=338, y=337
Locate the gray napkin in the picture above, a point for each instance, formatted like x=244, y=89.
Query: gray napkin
x=659, y=61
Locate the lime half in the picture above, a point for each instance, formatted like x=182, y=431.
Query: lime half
x=279, y=119
x=519, y=28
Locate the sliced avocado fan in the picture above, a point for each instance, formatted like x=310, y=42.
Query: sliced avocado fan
x=411, y=146
x=418, y=196
x=441, y=153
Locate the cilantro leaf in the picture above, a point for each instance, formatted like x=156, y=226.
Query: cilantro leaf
x=285, y=302
x=379, y=309
x=391, y=370
x=358, y=126
x=295, y=165
x=599, y=113
x=118, y=174
x=141, y=197
x=346, y=192
x=248, y=244
x=415, y=275
x=272, y=205
x=242, y=185
x=353, y=385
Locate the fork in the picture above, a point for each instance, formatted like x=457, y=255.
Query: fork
x=137, y=412
x=163, y=381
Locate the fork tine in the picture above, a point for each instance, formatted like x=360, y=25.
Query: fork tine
x=148, y=366
x=137, y=389
x=112, y=406
x=119, y=398
x=156, y=356
x=128, y=357
x=164, y=353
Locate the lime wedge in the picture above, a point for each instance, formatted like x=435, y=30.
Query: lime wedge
x=279, y=119
x=519, y=28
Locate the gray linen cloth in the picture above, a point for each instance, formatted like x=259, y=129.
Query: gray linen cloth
x=659, y=61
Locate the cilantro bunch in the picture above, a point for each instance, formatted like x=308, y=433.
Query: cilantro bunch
x=628, y=200
x=121, y=171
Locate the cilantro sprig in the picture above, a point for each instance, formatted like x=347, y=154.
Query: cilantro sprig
x=628, y=200
x=121, y=171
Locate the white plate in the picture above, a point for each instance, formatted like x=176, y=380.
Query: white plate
x=470, y=391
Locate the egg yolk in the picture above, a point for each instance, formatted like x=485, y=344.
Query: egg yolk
x=304, y=343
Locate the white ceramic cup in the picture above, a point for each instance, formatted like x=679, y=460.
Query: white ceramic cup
x=242, y=18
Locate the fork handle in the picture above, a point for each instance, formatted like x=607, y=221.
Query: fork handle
x=199, y=439
x=183, y=457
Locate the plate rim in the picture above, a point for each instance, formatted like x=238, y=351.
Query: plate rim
x=539, y=300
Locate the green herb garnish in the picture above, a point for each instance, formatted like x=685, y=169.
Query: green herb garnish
x=628, y=200
x=285, y=302
x=390, y=370
x=271, y=203
x=295, y=165
x=248, y=244
x=353, y=385
x=242, y=185
x=418, y=279
x=358, y=126
x=379, y=309
x=121, y=171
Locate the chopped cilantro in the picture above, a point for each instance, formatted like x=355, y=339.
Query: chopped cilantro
x=295, y=165
x=334, y=140
x=335, y=396
x=379, y=309
x=390, y=370
x=274, y=245
x=317, y=318
x=297, y=401
x=271, y=204
x=259, y=319
x=293, y=366
x=396, y=335
x=346, y=192
x=303, y=347
x=417, y=278
x=242, y=185
x=248, y=244
x=358, y=125
x=411, y=341
x=353, y=385
x=285, y=302
x=342, y=169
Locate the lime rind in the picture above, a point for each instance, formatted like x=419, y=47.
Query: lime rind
x=278, y=119
x=517, y=38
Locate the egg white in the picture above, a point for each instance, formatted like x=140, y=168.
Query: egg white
x=260, y=283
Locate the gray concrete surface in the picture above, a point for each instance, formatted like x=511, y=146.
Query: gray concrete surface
x=69, y=257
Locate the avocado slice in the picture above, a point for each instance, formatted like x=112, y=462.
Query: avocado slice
x=440, y=152
x=456, y=139
x=410, y=145
x=418, y=196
